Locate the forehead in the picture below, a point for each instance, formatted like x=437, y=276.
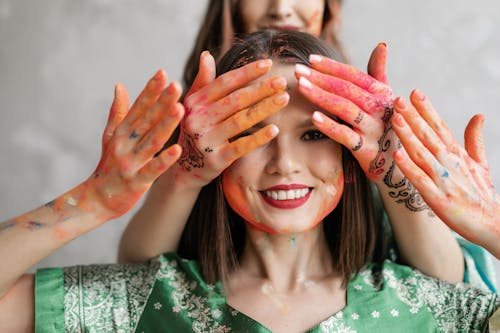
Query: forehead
x=298, y=107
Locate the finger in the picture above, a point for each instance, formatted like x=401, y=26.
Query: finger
x=150, y=117
x=117, y=113
x=244, y=98
x=338, y=132
x=228, y=82
x=418, y=178
x=424, y=107
x=247, y=118
x=419, y=154
x=419, y=126
x=336, y=105
x=473, y=140
x=206, y=72
x=158, y=165
x=362, y=98
x=378, y=63
x=146, y=98
x=155, y=139
x=349, y=73
x=243, y=145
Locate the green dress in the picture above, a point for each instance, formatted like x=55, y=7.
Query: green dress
x=168, y=294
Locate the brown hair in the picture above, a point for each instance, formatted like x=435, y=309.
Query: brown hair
x=212, y=30
x=215, y=234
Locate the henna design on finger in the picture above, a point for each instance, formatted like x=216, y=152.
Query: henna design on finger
x=359, y=145
x=133, y=135
x=34, y=225
x=191, y=157
x=359, y=117
x=404, y=192
x=208, y=150
x=197, y=136
x=384, y=143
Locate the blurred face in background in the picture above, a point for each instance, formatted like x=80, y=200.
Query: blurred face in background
x=301, y=15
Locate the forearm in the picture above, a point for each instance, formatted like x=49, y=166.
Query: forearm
x=158, y=225
x=28, y=238
x=423, y=240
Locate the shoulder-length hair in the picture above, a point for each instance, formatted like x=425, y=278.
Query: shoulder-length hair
x=215, y=234
x=224, y=15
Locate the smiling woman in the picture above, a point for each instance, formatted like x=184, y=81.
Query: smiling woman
x=315, y=264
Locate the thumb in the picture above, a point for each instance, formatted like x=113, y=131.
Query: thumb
x=377, y=63
x=473, y=140
x=206, y=73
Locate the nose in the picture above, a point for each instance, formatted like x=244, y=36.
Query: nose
x=280, y=9
x=284, y=159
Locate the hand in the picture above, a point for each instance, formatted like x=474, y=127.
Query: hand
x=220, y=109
x=359, y=100
x=128, y=165
x=455, y=182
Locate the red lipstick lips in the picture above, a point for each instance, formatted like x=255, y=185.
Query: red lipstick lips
x=286, y=196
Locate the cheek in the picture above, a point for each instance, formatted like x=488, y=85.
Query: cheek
x=332, y=194
x=232, y=186
x=315, y=23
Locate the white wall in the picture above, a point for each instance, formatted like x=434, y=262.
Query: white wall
x=59, y=61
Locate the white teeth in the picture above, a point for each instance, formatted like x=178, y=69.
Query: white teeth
x=288, y=195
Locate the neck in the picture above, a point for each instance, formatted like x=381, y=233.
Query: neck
x=287, y=262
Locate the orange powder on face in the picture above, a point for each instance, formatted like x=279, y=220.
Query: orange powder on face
x=329, y=205
x=233, y=191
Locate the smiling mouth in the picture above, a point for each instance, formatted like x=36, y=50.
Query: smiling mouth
x=286, y=199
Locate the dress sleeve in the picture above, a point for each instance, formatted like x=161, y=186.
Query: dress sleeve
x=479, y=266
x=94, y=298
x=457, y=307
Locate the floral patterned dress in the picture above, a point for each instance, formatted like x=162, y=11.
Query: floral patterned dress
x=169, y=295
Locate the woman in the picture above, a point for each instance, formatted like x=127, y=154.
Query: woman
x=311, y=262
x=422, y=240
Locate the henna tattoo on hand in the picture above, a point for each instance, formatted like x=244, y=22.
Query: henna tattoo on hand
x=7, y=225
x=404, y=192
x=191, y=157
x=384, y=143
x=208, y=150
x=359, y=145
x=359, y=117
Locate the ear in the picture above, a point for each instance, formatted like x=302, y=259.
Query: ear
x=227, y=27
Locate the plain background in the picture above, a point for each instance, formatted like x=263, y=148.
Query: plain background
x=59, y=61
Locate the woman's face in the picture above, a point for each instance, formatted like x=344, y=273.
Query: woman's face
x=302, y=15
x=290, y=184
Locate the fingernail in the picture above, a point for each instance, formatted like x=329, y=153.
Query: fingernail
x=305, y=83
x=400, y=103
x=278, y=83
x=315, y=58
x=384, y=44
x=419, y=95
x=273, y=130
x=318, y=117
x=264, y=63
x=174, y=150
x=158, y=75
x=282, y=98
x=302, y=70
x=174, y=111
